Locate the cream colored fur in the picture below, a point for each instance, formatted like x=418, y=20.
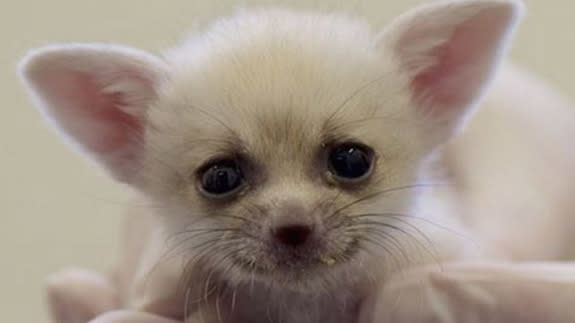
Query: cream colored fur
x=277, y=85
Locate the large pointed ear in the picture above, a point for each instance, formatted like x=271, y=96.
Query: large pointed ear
x=97, y=95
x=449, y=51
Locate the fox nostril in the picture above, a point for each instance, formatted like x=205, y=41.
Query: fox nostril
x=293, y=235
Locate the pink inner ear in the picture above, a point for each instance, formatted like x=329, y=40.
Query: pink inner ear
x=433, y=84
x=448, y=82
x=460, y=65
x=95, y=119
x=98, y=96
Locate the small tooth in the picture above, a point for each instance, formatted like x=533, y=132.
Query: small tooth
x=328, y=261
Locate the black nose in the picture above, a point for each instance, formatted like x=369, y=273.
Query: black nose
x=293, y=235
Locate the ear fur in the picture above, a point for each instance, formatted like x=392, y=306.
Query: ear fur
x=97, y=96
x=449, y=51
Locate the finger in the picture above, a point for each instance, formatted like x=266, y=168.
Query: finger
x=132, y=317
x=77, y=295
x=534, y=292
x=528, y=293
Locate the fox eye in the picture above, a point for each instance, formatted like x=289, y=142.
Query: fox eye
x=221, y=178
x=350, y=162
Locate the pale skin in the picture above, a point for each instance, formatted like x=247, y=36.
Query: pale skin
x=489, y=292
x=530, y=292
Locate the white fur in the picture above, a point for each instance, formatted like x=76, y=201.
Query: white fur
x=268, y=79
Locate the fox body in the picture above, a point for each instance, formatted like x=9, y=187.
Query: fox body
x=295, y=161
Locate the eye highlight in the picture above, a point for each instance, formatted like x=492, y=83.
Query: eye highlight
x=221, y=178
x=350, y=162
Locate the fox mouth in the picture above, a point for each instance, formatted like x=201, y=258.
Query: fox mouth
x=296, y=265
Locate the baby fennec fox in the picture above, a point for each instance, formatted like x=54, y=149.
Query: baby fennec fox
x=290, y=158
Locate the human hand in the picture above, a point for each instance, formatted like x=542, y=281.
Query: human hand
x=462, y=293
x=82, y=296
x=489, y=292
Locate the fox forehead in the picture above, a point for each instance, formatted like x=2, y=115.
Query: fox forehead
x=275, y=78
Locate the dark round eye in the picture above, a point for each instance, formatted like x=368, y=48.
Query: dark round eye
x=221, y=177
x=349, y=161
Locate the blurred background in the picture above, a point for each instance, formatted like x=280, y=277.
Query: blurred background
x=57, y=210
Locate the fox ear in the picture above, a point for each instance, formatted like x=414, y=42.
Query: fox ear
x=97, y=95
x=449, y=51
